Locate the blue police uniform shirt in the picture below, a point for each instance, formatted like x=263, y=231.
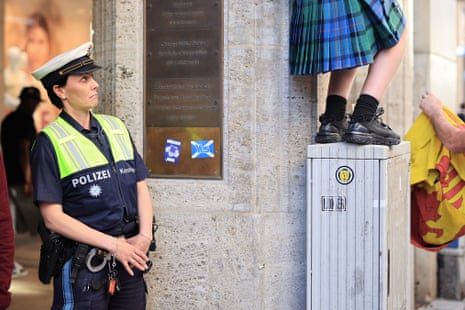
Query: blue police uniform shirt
x=46, y=176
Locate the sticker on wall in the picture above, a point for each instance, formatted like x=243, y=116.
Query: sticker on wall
x=344, y=175
x=172, y=151
x=203, y=149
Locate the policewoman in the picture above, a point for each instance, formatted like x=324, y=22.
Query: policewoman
x=90, y=186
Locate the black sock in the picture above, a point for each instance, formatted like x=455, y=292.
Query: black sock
x=365, y=108
x=335, y=107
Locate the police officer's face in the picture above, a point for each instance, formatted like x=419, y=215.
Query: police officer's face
x=80, y=92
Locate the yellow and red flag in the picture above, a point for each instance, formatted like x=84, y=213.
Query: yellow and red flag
x=437, y=179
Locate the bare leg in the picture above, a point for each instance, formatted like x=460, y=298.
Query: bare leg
x=341, y=81
x=333, y=122
x=365, y=127
x=382, y=70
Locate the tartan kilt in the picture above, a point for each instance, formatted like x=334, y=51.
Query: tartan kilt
x=328, y=35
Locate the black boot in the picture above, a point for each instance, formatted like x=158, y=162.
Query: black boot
x=371, y=131
x=333, y=121
x=331, y=130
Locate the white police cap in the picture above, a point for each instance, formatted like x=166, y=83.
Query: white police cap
x=76, y=61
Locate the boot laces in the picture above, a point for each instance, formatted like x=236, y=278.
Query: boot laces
x=376, y=118
x=379, y=112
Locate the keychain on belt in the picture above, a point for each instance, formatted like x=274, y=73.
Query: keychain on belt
x=113, y=282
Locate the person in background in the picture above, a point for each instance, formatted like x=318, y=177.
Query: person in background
x=7, y=242
x=38, y=43
x=18, y=133
x=452, y=137
x=339, y=36
x=39, y=49
x=90, y=186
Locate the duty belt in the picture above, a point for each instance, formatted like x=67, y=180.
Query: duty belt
x=95, y=260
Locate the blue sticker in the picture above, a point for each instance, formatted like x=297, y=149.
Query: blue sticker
x=203, y=149
x=172, y=151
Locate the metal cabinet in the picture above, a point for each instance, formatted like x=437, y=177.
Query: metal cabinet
x=358, y=206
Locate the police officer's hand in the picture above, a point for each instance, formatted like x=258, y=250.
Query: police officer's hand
x=130, y=256
x=142, y=242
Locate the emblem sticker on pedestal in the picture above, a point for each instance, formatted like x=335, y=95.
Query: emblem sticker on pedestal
x=344, y=175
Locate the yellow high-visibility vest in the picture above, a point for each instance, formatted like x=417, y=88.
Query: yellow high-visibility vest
x=75, y=152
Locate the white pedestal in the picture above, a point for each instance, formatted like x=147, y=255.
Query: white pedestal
x=358, y=227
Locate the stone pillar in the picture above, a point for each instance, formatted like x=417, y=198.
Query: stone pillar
x=435, y=69
x=435, y=46
x=119, y=48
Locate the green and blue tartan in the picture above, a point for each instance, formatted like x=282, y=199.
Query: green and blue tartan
x=329, y=35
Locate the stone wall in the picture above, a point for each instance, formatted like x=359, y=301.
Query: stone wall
x=239, y=242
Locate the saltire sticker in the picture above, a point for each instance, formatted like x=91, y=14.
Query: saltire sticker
x=203, y=149
x=172, y=151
